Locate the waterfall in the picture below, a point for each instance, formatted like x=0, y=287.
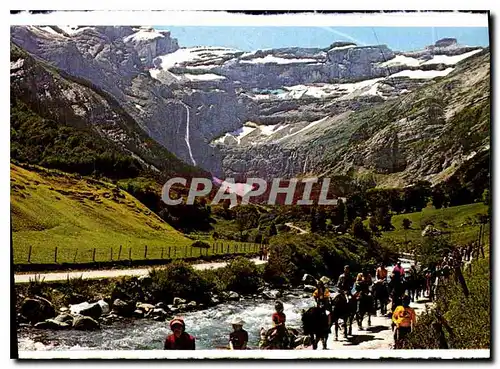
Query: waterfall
x=186, y=138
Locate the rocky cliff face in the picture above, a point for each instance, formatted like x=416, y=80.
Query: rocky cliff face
x=270, y=113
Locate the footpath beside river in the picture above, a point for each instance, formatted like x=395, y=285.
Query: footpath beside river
x=103, y=274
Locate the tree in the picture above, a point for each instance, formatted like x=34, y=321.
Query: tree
x=272, y=231
x=314, y=221
x=486, y=197
x=339, y=213
x=406, y=223
x=438, y=197
x=383, y=218
x=246, y=217
x=358, y=230
x=373, y=225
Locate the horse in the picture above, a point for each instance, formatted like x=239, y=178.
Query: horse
x=271, y=339
x=344, y=308
x=364, y=307
x=380, y=294
x=397, y=289
x=315, y=324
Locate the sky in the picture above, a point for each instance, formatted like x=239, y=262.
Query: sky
x=247, y=38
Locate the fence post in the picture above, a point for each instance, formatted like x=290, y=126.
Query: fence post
x=55, y=255
x=120, y=252
x=227, y=249
x=76, y=253
x=145, y=251
x=162, y=252
x=191, y=252
x=185, y=251
x=93, y=255
x=111, y=253
x=169, y=252
x=29, y=255
x=130, y=253
x=236, y=248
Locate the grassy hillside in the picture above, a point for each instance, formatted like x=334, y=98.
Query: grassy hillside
x=52, y=209
x=459, y=221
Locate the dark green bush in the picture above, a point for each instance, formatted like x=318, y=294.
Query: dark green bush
x=178, y=280
x=201, y=244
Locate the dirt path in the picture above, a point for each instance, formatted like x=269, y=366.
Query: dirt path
x=102, y=274
x=378, y=336
x=301, y=231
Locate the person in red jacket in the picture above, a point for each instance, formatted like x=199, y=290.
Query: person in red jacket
x=179, y=339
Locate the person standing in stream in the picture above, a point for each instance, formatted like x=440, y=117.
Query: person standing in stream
x=238, y=338
x=179, y=339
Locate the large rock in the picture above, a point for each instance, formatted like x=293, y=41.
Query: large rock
x=309, y=288
x=233, y=296
x=431, y=231
x=309, y=279
x=85, y=323
x=272, y=295
x=64, y=318
x=192, y=305
x=123, y=308
x=37, y=309
x=144, y=307
x=52, y=324
x=178, y=301
x=104, y=306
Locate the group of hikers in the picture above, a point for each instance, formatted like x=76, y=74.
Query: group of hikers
x=355, y=297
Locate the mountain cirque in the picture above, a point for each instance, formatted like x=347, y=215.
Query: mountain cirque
x=284, y=112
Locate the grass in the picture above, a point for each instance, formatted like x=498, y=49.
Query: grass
x=456, y=220
x=77, y=215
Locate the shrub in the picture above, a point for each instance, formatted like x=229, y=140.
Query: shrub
x=178, y=280
x=201, y=244
x=468, y=317
x=406, y=223
x=242, y=276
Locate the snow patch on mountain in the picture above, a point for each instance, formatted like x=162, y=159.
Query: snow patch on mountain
x=450, y=60
x=144, y=33
x=203, y=77
x=423, y=74
x=277, y=60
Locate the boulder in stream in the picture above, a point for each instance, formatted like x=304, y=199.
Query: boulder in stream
x=144, y=307
x=309, y=279
x=309, y=288
x=192, y=305
x=123, y=308
x=272, y=295
x=138, y=313
x=178, y=301
x=233, y=296
x=37, y=309
x=64, y=318
x=52, y=324
x=85, y=323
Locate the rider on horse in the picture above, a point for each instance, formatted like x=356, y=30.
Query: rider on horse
x=322, y=298
x=381, y=274
x=279, y=320
x=345, y=281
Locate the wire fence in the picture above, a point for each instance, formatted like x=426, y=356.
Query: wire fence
x=75, y=255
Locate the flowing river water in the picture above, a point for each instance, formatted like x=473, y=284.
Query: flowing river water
x=211, y=327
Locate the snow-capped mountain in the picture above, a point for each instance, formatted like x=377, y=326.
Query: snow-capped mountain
x=212, y=105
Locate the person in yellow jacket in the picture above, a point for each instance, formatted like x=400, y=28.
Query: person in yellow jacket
x=404, y=319
x=322, y=297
